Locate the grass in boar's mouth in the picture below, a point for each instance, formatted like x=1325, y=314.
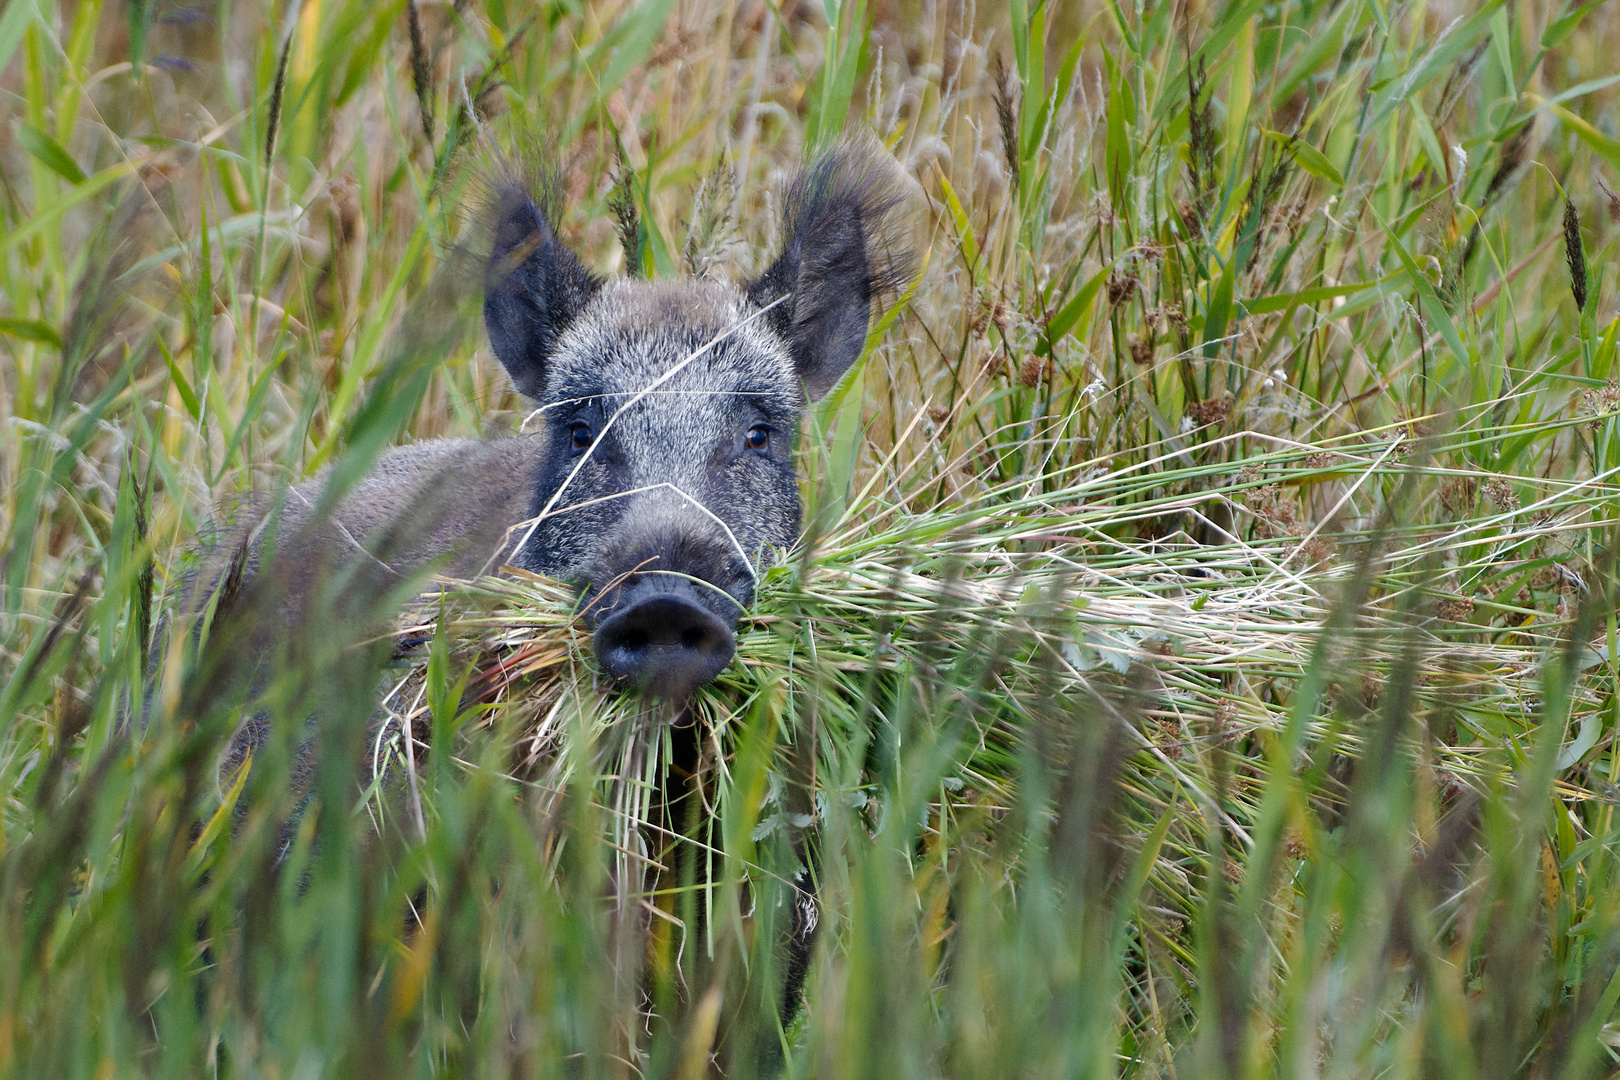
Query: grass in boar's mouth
x=1202, y=658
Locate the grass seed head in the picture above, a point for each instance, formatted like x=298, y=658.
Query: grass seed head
x=1613, y=201
x=421, y=69
x=1203, y=146
x=1007, y=103
x=1574, y=255
x=1515, y=152
x=711, y=228
x=621, y=204
x=277, y=92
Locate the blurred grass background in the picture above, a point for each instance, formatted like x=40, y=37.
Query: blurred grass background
x=1202, y=662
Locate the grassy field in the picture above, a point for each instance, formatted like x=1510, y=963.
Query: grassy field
x=1201, y=660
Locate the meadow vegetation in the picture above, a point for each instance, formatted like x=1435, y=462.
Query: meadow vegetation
x=1201, y=659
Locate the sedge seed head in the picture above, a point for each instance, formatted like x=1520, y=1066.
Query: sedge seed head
x=1574, y=255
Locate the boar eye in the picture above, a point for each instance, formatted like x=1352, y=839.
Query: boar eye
x=581, y=434
x=759, y=437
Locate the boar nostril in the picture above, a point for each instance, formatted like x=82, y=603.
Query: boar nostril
x=664, y=643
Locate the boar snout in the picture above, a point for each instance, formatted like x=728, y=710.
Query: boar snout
x=663, y=640
x=665, y=592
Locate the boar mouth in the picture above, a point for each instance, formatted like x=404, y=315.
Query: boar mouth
x=660, y=637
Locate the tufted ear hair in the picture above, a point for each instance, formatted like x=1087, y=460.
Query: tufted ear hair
x=533, y=286
x=838, y=253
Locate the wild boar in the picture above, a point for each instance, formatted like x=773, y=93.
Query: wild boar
x=661, y=476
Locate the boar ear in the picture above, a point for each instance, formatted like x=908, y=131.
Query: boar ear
x=533, y=288
x=838, y=254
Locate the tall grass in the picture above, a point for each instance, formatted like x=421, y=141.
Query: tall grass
x=1201, y=660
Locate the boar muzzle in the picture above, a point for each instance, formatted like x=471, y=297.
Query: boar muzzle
x=663, y=640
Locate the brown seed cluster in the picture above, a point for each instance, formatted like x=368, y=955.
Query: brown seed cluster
x=1455, y=610
x=992, y=311
x=1035, y=368
x=1214, y=411
x=1168, y=737
x=1171, y=313
x=1502, y=495
x=1187, y=213
x=1150, y=250
x=1316, y=549
x=1275, y=516
x=1458, y=494
x=1120, y=289
x=1600, y=403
